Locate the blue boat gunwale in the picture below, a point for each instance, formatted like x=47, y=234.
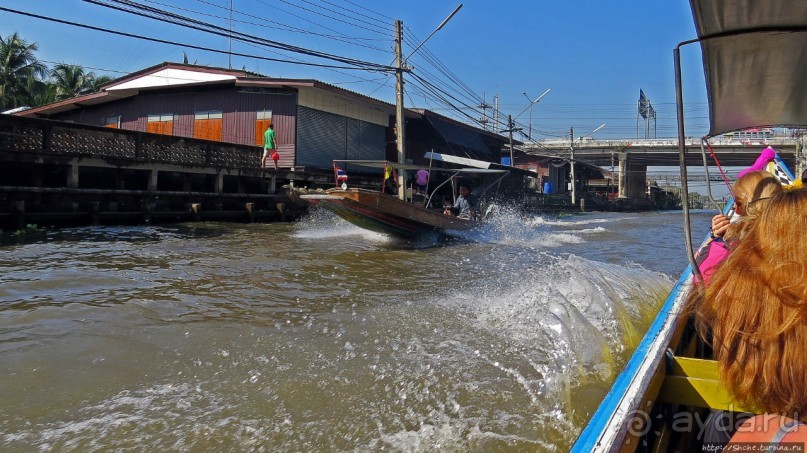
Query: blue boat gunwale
x=606, y=412
x=665, y=322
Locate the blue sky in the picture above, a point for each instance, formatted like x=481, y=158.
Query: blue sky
x=593, y=55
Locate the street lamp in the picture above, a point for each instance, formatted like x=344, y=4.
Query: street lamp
x=571, y=159
x=529, y=133
x=511, y=123
x=592, y=132
x=442, y=24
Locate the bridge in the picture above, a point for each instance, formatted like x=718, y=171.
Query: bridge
x=633, y=156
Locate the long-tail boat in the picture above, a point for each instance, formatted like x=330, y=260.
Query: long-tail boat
x=755, y=64
x=410, y=215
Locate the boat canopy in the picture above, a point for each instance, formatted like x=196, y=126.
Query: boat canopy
x=399, y=166
x=456, y=160
x=755, y=59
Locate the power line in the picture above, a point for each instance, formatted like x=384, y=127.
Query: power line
x=385, y=21
x=330, y=17
x=278, y=26
x=390, y=19
x=166, y=16
x=179, y=44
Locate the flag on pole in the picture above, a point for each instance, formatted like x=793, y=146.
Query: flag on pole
x=341, y=175
x=644, y=104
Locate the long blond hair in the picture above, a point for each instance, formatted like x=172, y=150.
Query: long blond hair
x=756, y=305
x=752, y=191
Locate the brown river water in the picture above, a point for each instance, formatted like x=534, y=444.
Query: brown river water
x=318, y=336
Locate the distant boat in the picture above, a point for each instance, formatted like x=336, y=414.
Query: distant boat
x=386, y=213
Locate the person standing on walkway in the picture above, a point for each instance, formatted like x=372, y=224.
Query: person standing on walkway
x=269, y=146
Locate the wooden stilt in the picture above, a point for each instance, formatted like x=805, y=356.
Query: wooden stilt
x=251, y=212
x=196, y=208
x=19, y=214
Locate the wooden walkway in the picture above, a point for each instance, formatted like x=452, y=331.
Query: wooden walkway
x=64, y=174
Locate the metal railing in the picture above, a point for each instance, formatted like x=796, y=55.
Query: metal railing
x=56, y=138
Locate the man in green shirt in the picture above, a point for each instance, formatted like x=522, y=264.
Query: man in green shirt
x=269, y=147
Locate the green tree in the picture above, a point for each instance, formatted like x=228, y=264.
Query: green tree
x=98, y=81
x=37, y=92
x=70, y=80
x=18, y=64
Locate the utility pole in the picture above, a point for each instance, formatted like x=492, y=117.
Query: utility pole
x=510, y=129
x=571, y=164
x=400, y=68
x=399, y=107
x=496, y=111
x=529, y=130
x=484, y=120
x=230, y=50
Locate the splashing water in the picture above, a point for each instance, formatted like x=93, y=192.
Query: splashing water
x=316, y=336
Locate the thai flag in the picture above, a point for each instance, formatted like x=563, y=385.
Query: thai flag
x=341, y=175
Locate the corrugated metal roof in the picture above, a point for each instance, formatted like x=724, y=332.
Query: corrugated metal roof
x=241, y=78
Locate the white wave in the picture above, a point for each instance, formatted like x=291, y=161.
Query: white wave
x=572, y=313
x=323, y=224
x=541, y=221
x=591, y=230
x=557, y=239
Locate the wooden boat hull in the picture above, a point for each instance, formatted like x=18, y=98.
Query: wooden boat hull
x=383, y=213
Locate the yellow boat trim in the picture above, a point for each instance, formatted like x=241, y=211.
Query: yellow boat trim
x=695, y=382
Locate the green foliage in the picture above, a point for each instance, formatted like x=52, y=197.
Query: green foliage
x=18, y=64
x=26, y=81
x=31, y=227
x=70, y=80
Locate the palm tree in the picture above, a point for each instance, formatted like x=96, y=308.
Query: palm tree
x=98, y=81
x=17, y=64
x=37, y=92
x=70, y=80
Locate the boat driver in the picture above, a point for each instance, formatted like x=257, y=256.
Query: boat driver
x=466, y=205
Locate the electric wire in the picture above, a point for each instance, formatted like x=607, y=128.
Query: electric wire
x=385, y=22
x=165, y=16
x=376, y=30
x=175, y=43
x=278, y=25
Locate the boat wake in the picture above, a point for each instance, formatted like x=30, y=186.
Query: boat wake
x=322, y=224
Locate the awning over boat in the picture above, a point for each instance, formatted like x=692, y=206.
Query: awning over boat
x=456, y=160
x=461, y=141
x=379, y=164
x=755, y=59
x=398, y=166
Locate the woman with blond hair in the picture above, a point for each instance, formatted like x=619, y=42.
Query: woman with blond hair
x=751, y=194
x=755, y=310
x=759, y=302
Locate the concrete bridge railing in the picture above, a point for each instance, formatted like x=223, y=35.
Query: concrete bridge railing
x=661, y=143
